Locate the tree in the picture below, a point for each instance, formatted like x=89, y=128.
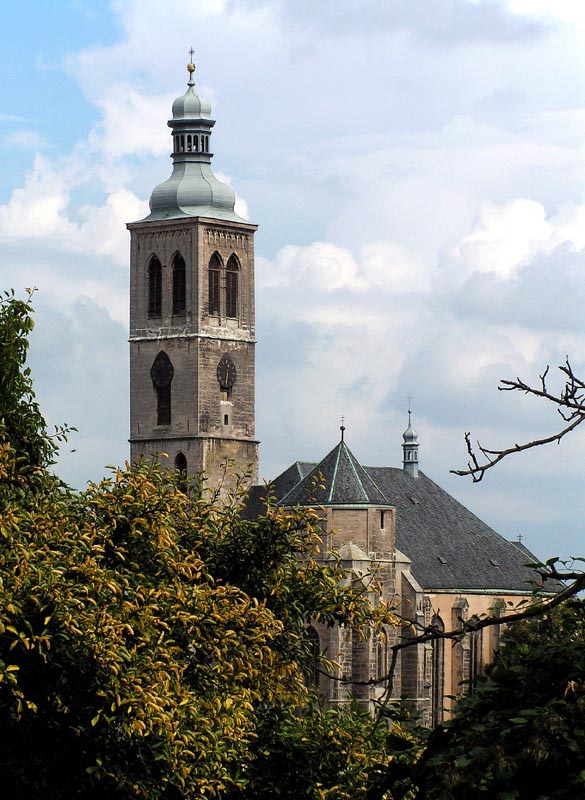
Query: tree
x=150, y=636
x=521, y=734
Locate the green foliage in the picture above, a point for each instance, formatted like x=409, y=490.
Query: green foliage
x=152, y=641
x=329, y=754
x=521, y=734
x=22, y=425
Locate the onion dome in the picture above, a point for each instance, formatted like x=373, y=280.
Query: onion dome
x=192, y=190
x=410, y=450
x=410, y=436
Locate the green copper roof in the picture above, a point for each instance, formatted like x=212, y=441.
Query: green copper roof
x=345, y=482
x=192, y=190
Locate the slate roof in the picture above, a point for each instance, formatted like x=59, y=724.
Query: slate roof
x=339, y=479
x=450, y=548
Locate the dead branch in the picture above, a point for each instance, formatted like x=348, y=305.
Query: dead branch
x=570, y=403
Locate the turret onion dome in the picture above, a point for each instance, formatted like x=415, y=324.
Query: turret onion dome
x=192, y=190
x=410, y=436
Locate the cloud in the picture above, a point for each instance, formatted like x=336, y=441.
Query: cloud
x=505, y=237
x=24, y=139
x=444, y=22
x=43, y=209
x=131, y=122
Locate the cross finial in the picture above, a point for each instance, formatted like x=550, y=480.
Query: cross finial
x=520, y=538
x=191, y=68
x=342, y=427
x=409, y=407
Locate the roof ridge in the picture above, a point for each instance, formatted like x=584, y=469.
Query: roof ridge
x=351, y=458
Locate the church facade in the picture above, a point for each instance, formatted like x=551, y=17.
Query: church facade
x=192, y=384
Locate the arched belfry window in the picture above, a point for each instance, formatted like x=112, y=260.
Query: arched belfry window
x=231, y=286
x=214, y=275
x=162, y=373
x=179, y=284
x=154, y=287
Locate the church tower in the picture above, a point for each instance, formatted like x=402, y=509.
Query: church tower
x=192, y=332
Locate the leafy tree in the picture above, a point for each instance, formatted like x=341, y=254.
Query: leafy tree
x=152, y=641
x=521, y=734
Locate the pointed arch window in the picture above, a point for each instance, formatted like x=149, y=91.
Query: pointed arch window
x=214, y=283
x=161, y=374
x=438, y=673
x=181, y=467
x=179, y=284
x=231, y=286
x=154, y=287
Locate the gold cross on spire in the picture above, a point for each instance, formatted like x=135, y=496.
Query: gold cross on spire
x=191, y=67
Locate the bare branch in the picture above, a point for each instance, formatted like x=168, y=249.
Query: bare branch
x=477, y=623
x=570, y=402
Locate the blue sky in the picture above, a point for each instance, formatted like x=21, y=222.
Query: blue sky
x=417, y=169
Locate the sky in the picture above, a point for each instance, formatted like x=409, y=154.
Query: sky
x=417, y=170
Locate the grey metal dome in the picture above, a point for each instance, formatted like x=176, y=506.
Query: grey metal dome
x=192, y=190
x=190, y=105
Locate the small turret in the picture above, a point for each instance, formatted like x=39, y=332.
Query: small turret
x=410, y=450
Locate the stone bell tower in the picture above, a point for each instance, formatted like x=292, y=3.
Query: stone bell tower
x=192, y=332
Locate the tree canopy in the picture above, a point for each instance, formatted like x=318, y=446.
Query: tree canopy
x=521, y=734
x=152, y=641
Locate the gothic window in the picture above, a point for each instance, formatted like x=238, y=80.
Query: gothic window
x=161, y=374
x=438, y=686
x=179, y=284
x=380, y=657
x=231, y=287
x=476, y=658
x=314, y=654
x=214, y=273
x=154, y=287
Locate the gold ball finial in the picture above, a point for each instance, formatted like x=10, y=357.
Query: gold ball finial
x=191, y=68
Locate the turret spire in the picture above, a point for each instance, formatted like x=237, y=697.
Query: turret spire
x=410, y=448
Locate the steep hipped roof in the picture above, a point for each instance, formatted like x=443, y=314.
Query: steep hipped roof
x=339, y=479
x=450, y=548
